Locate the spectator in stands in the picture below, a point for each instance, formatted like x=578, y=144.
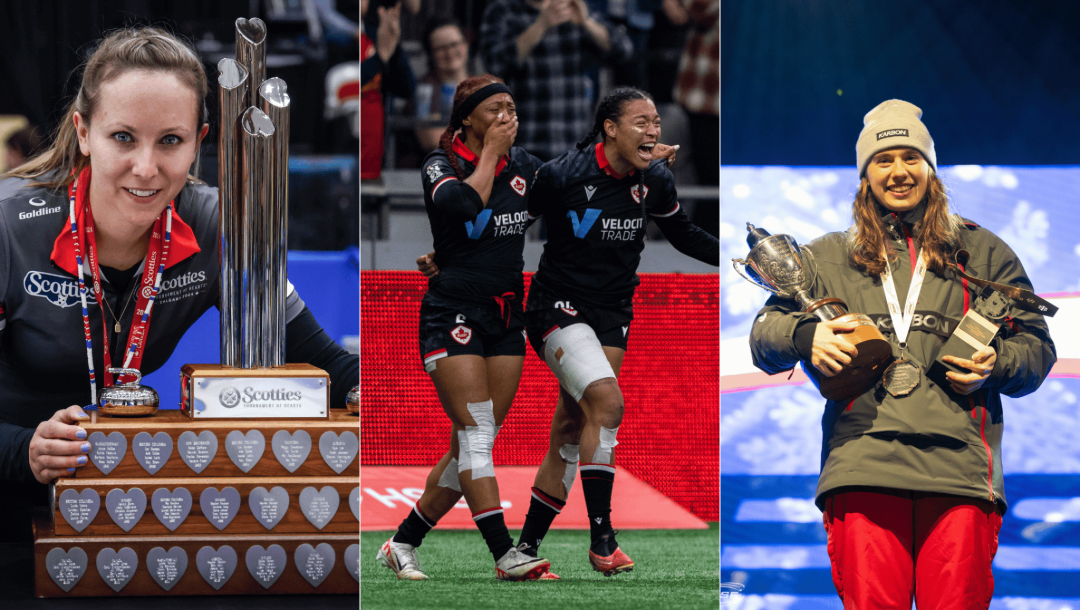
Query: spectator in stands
x=698, y=88
x=383, y=67
x=448, y=64
x=21, y=146
x=638, y=18
x=540, y=48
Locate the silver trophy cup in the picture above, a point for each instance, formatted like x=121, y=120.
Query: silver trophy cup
x=778, y=264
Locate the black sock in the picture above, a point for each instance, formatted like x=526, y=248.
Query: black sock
x=542, y=511
x=596, y=483
x=413, y=529
x=493, y=528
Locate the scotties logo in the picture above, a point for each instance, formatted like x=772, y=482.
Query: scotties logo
x=229, y=397
x=58, y=289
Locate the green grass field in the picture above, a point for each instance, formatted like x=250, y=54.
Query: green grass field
x=673, y=569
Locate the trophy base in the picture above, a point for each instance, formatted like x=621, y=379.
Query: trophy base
x=294, y=391
x=127, y=410
x=863, y=373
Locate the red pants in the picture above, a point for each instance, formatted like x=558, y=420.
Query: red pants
x=891, y=547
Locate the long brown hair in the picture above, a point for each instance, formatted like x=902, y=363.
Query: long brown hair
x=939, y=231
x=465, y=88
x=143, y=48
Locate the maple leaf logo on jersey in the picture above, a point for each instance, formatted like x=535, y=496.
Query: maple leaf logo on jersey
x=634, y=193
x=518, y=184
x=462, y=334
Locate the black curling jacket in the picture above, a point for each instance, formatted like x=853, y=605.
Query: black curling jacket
x=43, y=364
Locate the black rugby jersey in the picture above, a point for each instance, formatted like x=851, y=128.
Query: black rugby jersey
x=596, y=225
x=478, y=249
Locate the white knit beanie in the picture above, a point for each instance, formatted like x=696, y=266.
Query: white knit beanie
x=891, y=124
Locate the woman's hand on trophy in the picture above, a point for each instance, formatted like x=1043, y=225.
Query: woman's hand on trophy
x=981, y=365
x=831, y=351
x=426, y=265
x=59, y=445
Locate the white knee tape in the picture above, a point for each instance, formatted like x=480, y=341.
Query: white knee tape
x=476, y=442
x=569, y=454
x=602, y=455
x=449, y=478
x=575, y=356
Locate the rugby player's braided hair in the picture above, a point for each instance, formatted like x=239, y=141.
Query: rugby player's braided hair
x=465, y=88
x=611, y=107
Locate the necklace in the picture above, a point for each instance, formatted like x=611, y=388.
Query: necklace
x=116, y=327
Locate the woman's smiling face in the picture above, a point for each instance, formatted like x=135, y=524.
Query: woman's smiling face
x=142, y=141
x=898, y=178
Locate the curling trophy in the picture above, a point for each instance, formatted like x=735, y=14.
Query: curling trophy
x=778, y=264
x=252, y=379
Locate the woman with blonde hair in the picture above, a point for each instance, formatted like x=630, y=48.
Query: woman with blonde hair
x=97, y=234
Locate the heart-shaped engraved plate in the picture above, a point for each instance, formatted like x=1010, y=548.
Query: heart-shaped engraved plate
x=79, y=509
x=291, y=449
x=245, y=450
x=338, y=451
x=126, y=508
x=166, y=567
x=319, y=505
x=266, y=565
x=314, y=563
x=66, y=568
x=216, y=567
x=117, y=567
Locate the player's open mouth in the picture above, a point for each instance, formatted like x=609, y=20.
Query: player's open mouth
x=139, y=193
x=900, y=189
x=645, y=151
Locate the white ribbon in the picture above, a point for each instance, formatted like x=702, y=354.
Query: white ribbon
x=901, y=320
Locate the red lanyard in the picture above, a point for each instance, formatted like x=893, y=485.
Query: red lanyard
x=148, y=287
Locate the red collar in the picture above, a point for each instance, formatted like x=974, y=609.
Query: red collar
x=601, y=160
x=464, y=152
x=183, y=244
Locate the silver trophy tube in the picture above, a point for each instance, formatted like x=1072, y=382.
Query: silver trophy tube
x=251, y=53
x=232, y=80
x=275, y=103
x=255, y=165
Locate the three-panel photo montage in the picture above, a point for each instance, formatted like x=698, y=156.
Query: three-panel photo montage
x=584, y=304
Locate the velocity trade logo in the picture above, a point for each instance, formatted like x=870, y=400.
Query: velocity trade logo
x=582, y=226
x=476, y=230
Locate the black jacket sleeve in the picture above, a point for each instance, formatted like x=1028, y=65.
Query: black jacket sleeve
x=15, y=453
x=689, y=238
x=306, y=341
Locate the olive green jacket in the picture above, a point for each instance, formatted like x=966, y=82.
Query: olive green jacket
x=932, y=440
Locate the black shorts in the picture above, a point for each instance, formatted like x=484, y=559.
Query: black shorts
x=454, y=328
x=547, y=311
